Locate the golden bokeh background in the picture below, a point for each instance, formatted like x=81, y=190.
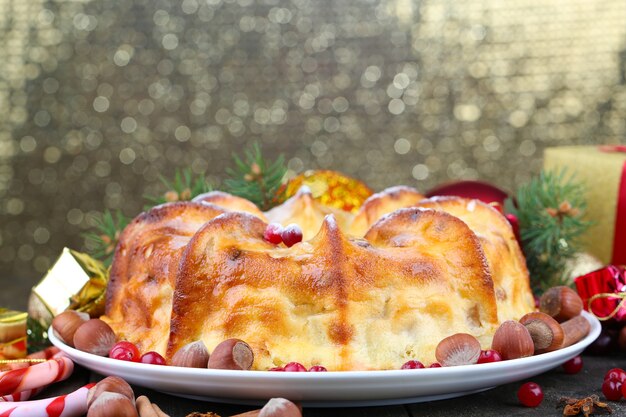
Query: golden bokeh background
x=99, y=98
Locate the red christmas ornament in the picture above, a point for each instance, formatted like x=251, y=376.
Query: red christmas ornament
x=479, y=190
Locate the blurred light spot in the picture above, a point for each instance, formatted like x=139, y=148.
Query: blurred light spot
x=100, y=104
x=402, y=146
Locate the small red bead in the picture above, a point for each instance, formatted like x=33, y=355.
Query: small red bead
x=616, y=373
x=435, y=365
x=573, y=366
x=413, y=364
x=294, y=367
x=125, y=351
x=152, y=358
x=488, y=356
x=277, y=369
x=612, y=389
x=273, y=233
x=291, y=234
x=317, y=368
x=530, y=394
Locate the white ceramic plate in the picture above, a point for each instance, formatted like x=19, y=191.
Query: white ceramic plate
x=329, y=389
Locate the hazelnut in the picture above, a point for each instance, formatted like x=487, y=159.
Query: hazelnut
x=546, y=332
x=231, y=354
x=112, y=404
x=280, y=407
x=275, y=407
x=66, y=323
x=145, y=408
x=512, y=341
x=110, y=384
x=562, y=303
x=458, y=349
x=94, y=336
x=574, y=330
x=192, y=355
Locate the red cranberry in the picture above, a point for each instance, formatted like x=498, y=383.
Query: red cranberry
x=435, y=365
x=277, y=369
x=273, y=233
x=317, y=368
x=291, y=234
x=152, y=358
x=530, y=394
x=412, y=364
x=488, y=356
x=124, y=351
x=612, y=389
x=573, y=366
x=617, y=374
x=294, y=367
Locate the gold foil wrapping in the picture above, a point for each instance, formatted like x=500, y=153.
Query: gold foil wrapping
x=601, y=173
x=331, y=188
x=12, y=334
x=76, y=281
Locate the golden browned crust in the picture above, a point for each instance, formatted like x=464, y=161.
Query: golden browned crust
x=505, y=258
x=230, y=203
x=418, y=277
x=379, y=204
x=144, y=268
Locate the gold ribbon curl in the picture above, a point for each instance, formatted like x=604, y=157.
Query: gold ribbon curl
x=622, y=304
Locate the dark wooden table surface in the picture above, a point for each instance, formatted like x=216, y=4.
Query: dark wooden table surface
x=500, y=401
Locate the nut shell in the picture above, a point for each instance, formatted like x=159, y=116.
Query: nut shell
x=110, y=384
x=112, y=404
x=562, y=303
x=280, y=407
x=458, y=349
x=192, y=355
x=546, y=332
x=232, y=354
x=94, y=336
x=513, y=341
x=66, y=324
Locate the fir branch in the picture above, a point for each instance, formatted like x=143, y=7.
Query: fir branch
x=36, y=336
x=104, y=238
x=550, y=210
x=183, y=187
x=256, y=178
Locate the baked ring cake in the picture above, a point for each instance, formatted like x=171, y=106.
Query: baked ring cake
x=364, y=291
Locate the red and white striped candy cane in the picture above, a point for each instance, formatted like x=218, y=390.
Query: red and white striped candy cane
x=70, y=405
x=35, y=376
x=23, y=395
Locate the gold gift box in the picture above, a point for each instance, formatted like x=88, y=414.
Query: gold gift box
x=75, y=281
x=600, y=170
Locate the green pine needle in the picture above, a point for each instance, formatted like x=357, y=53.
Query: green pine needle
x=183, y=187
x=104, y=239
x=256, y=178
x=550, y=210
